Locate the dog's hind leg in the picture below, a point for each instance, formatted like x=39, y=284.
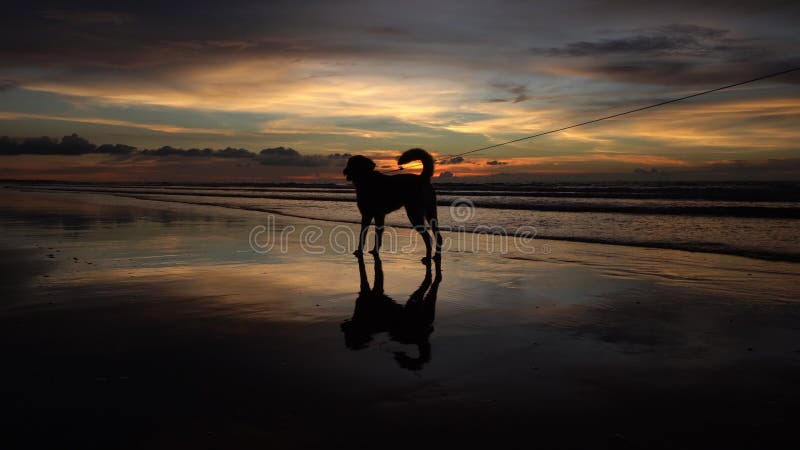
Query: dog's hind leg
x=379, y=220
x=434, y=221
x=417, y=219
x=362, y=236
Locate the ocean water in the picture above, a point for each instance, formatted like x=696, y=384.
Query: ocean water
x=760, y=220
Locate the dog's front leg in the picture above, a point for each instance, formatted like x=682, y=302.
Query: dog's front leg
x=362, y=236
x=379, y=220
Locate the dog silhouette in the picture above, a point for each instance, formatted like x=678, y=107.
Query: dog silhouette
x=379, y=194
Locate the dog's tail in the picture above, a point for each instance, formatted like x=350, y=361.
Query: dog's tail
x=418, y=154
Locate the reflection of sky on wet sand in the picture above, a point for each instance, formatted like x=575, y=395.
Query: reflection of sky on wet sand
x=587, y=327
x=127, y=245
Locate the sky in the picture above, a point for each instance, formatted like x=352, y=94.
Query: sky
x=124, y=90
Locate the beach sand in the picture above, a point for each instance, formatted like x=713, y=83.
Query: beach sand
x=129, y=323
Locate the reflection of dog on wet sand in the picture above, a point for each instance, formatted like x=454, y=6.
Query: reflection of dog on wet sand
x=412, y=323
x=379, y=194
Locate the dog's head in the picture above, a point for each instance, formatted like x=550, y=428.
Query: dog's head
x=358, y=166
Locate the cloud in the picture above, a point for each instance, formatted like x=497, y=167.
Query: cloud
x=76, y=145
x=679, y=72
x=676, y=54
x=684, y=39
x=68, y=145
x=281, y=156
x=496, y=163
x=518, y=91
x=447, y=174
x=224, y=153
x=115, y=149
x=453, y=160
x=344, y=78
x=285, y=156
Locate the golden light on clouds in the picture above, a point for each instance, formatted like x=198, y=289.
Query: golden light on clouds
x=313, y=96
x=369, y=80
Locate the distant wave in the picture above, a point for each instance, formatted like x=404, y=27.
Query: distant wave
x=703, y=247
x=771, y=212
x=755, y=191
x=716, y=211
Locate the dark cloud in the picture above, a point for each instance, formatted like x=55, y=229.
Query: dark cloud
x=171, y=151
x=675, y=54
x=677, y=72
x=453, y=160
x=195, y=152
x=68, y=145
x=518, y=92
x=150, y=41
x=665, y=72
x=447, y=174
x=161, y=34
x=231, y=152
x=32, y=146
x=285, y=156
x=683, y=39
x=496, y=163
x=115, y=149
x=8, y=146
x=76, y=145
x=160, y=37
x=281, y=156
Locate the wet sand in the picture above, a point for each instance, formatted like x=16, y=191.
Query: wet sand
x=140, y=324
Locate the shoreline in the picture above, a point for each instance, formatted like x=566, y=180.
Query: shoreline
x=755, y=212
x=715, y=249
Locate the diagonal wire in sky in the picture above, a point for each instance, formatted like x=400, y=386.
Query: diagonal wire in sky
x=600, y=119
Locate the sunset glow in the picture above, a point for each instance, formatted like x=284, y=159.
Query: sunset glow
x=377, y=81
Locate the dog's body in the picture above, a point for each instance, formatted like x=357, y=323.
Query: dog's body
x=378, y=195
